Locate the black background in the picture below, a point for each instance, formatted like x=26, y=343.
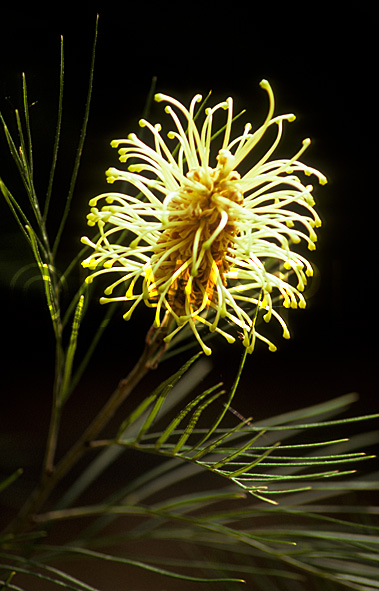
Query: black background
x=322, y=65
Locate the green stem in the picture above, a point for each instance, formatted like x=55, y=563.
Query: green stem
x=50, y=478
x=52, y=294
x=56, y=411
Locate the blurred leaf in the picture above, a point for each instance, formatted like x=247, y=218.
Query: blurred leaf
x=59, y=578
x=8, y=481
x=76, y=550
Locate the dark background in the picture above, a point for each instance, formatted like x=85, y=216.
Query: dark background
x=322, y=65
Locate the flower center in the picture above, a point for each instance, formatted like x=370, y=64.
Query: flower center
x=202, y=220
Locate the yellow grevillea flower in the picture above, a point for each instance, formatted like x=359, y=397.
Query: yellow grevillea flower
x=209, y=246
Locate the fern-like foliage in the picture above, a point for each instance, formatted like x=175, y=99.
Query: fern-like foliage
x=273, y=506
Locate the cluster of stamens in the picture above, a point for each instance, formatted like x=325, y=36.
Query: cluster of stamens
x=189, y=257
x=211, y=247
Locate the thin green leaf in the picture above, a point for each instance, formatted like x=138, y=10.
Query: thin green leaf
x=148, y=103
x=182, y=414
x=207, y=564
x=189, y=502
x=227, y=404
x=246, y=467
x=57, y=136
x=288, y=462
x=51, y=299
x=321, y=513
x=65, y=391
x=308, y=460
x=22, y=152
x=347, y=563
x=10, y=479
x=154, y=411
x=362, y=581
x=28, y=145
x=322, y=424
x=305, y=445
x=337, y=460
x=33, y=241
x=15, y=154
x=80, y=146
x=92, y=346
x=70, y=310
x=221, y=130
x=160, y=394
x=145, y=566
x=339, y=536
x=195, y=417
x=25, y=156
x=16, y=210
x=235, y=454
x=135, y=414
x=6, y=583
x=323, y=409
x=346, y=486
x=284, y=477
x=232, y=391
x=217, y=442
x=68, y=582
x=11, y=540
x=149, y=480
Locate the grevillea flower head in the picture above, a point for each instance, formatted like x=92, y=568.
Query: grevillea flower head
x=202, y=243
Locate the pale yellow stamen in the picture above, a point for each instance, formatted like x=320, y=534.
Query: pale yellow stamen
x=206, y=241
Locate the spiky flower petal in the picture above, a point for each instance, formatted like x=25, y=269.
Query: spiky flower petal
x=210, y=246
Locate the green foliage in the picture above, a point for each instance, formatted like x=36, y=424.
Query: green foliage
x=272, y=502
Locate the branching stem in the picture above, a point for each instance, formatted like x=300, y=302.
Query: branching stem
x=51, y=477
